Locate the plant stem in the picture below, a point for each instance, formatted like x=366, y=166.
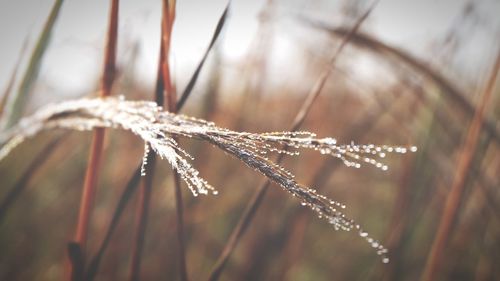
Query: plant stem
x=171, y=104
x=142, y=218
x=17, y=102
x=93, y=166
x=454, y=196
x=146, y=186
x=127, y=193
x=89, y=187
x=12, y=80
x=142, y=209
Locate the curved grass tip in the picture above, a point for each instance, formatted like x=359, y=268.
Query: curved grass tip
x=158, y=129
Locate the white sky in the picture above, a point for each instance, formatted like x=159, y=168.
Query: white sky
x=75, y=54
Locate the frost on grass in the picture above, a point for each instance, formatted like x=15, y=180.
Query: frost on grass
x=159, y=128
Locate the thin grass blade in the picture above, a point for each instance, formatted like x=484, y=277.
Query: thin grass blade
x=12, y=79
x=194, y=77
x=17, y=103
x=127, y=194
x=146, y=168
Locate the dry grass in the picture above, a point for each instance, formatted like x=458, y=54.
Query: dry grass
x=96, y=147
x=250, y=231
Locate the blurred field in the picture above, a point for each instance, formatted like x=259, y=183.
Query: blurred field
x=426, y=101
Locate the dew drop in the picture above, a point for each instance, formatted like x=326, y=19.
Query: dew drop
x=330, y=141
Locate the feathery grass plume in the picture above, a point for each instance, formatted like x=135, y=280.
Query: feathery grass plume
x=158, y=129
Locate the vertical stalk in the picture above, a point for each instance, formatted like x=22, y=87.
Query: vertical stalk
x=89, y=188
x=93, y=166
x=146, y=185
x=142, y=211
x=171, y=104
x=142, y=218
x=454, y=196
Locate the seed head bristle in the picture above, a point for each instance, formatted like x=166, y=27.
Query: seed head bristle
x=158, y=128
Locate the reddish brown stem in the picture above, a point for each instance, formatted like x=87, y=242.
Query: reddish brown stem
x=454, y=196
x=92, y=174
x=89, y=187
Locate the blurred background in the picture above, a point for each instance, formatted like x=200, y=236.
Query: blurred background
x=413, y=75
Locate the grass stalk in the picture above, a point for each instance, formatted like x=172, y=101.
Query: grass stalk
x=485, y=183
x=93, y=166
x=439, y=124
x=127, y=193
x=10, y=84
x=454, y=196
x=17, y=103
x=258, y=196
x=170, y=103
x=485, y=265
x=146, y=185
x=218, y=29
x=89, y=187
x=134, y=181
x=142, y=217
